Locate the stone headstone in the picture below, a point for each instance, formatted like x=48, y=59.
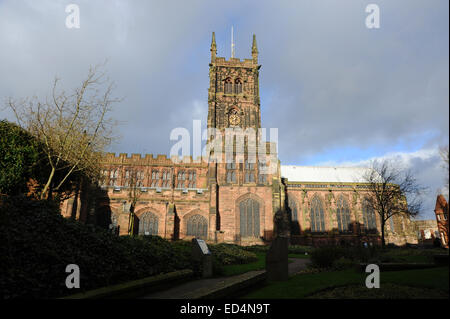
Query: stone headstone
x=277, y=260
x=202, y=257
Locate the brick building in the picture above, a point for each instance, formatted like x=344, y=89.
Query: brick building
x=441, y=212
x=427, y=231
x=234, y=201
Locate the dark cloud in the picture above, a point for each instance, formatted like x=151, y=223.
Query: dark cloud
x=327, y=82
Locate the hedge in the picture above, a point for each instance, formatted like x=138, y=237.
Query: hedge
x=38, y=244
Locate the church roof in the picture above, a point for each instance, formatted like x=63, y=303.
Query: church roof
x=323, y=174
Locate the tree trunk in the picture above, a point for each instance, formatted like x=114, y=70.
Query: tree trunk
x=47, y=185
x=383, y=244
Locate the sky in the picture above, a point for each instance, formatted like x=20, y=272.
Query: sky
x=339, y=93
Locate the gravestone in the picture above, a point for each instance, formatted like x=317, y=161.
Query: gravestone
x=202, y=257
x=277, y=260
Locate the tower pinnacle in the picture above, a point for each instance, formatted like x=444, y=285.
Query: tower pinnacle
x=213, y=47
x=254, y=50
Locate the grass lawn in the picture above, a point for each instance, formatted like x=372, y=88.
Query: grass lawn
x=304, y=285
x=387, y=291
x=410, y=255
x=231, y=270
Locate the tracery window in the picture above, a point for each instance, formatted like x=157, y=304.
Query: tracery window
x=368, y=216
x=228, y=86
x=166, y=182
x=231, y=172
x=262, y=172
x=391, y=224
x=197, y=226
x=148, y=224
x=181, y=177
x=113, y=177
x=155, y=178
x=140, y=178
x=133, y=178
x=238, y=86
x=343, y=214
x=249, y=172
x=249, y=218
x=317, y=215
x=192, y=177
x=295, y=224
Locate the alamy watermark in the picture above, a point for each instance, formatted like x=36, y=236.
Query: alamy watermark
x=73, y=280
x=373, y=280
x=373, y=19
x=229, y=145
x=73, y=19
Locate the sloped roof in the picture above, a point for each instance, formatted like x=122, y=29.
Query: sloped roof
x=323, y=174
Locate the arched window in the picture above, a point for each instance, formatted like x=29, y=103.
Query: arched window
x=295, y=223
x=343, y=214
x=262, y=172
x=228, y=86
x=197, y=226
x=155, y=178
x=391, y=224
x=368, y=216
x=231, y=171
x=249, y=172
x=148, y=224
x=249, y=218
x=317, y=215
x=237, y=86
x=231, y=177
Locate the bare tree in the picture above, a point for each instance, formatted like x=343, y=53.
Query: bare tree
x=392, y=191
x=74, y=128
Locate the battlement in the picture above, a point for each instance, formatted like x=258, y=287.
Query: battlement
x=235, y=62
x=150, y=159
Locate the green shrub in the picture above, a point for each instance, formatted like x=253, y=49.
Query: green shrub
x=343, y=263
x=228, y=254
x=38, y=244
x=297, y=249
x=257, y=248
x=324, y=257
x=18, y=153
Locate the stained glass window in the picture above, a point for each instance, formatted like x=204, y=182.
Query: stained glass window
x=343, y=214
x=197, y=226
x=249, y=218
x=148, y=224
x=391, y=223
x=368, y=216
x=317, y=215
x=295, y=224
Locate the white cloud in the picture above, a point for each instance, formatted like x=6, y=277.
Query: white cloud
x=425, y=164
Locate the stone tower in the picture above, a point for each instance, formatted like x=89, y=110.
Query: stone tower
x=242, y=193
x=233, y=94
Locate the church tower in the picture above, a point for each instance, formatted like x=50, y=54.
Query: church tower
x=243, y=192
x=233, y=94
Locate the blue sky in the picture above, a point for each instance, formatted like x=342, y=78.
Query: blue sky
x=339, y=93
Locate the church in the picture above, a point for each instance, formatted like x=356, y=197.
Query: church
x=234, y=201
